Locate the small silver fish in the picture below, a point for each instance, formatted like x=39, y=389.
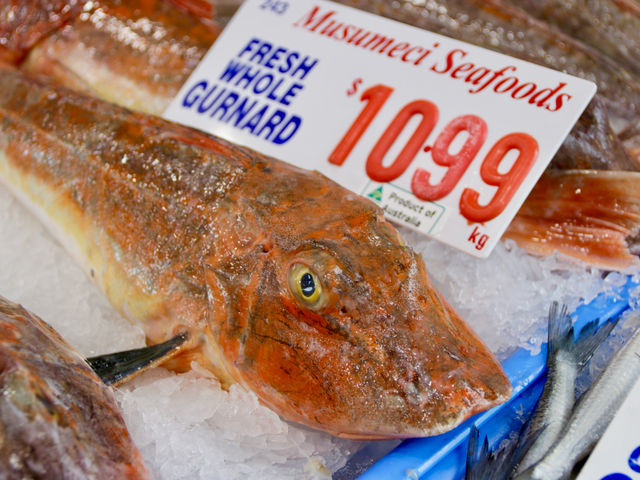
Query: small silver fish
x=592, y=414
x=565, y=358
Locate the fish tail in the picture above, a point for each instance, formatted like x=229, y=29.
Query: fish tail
x=590, y=215
x=500, y=462
x=560, y=332
x=478, y=463
x=561, y=335
x=589, y=338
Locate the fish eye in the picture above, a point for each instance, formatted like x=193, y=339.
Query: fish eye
x=306, y=286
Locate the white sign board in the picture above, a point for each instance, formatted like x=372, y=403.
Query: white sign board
x=447, y=137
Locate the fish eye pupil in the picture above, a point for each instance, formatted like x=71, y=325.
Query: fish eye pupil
x=307, y=284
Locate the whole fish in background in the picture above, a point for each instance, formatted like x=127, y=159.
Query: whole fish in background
x=591, y=416
x=138, y=54
x=610, y=26
x=135, y=53
x=284, y=281
x=565, y=359
x=592, y=144
x=57, y=418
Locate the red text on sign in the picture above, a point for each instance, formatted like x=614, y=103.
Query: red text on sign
x=507, y=183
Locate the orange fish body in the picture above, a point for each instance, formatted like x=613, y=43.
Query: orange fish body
x=286, y=283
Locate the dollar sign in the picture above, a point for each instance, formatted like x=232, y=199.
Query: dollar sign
x=354, y=86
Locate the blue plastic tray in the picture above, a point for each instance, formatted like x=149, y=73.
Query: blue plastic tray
x=443, y=457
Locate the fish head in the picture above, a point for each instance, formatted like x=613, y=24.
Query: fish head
x=335, y=323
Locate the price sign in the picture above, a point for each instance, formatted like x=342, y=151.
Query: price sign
x=446, y=137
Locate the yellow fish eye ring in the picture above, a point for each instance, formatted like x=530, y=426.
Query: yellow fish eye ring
x=306, y=286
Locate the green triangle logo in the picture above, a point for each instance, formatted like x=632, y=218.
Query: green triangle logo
x=376, y=194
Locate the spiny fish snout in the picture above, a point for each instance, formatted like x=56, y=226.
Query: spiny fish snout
x=432, y=381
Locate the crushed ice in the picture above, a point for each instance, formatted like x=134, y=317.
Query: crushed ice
x=187, y=427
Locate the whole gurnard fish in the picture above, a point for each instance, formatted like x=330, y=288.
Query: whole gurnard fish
x=565, y=359
x=591, y=416
x=284, y=281
x=138, y=54
x=57, y=418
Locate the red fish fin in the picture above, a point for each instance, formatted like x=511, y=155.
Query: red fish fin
x=29, y=22
x=199, y=8
x=586, y=214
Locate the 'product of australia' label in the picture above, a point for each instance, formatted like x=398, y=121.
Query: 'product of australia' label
x=448, y=138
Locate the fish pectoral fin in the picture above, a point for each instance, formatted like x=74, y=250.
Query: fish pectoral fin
x=117, y=368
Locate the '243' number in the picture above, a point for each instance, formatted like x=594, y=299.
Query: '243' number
x=277, y=6
x=507, y=183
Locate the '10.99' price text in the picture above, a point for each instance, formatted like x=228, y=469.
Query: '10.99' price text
x=507, y=183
